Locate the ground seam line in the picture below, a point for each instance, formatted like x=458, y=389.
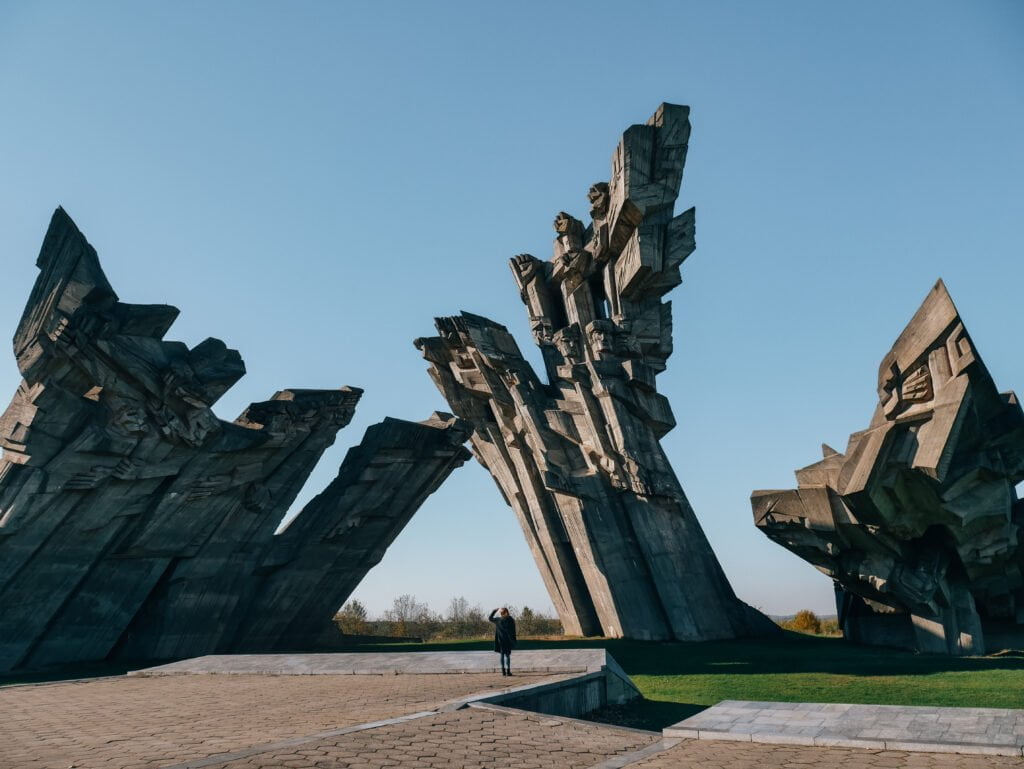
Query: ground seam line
x=450, y=706
x=221, y=758
x=625, y=759
x=867, y=743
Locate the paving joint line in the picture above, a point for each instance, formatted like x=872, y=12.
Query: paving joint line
x=861, y=743
x=446, y=707
x=220, y=758
x=636, y=756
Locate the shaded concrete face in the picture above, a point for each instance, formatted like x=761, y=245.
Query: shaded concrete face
x=918, y=521
x=579, y=458
x=135, y=523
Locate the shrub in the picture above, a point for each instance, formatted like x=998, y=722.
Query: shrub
x=352, y=618
x=804, y=621
x=831, y=627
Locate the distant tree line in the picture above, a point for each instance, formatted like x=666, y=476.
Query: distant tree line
x=408, y=618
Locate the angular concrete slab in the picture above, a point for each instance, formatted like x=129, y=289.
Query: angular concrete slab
x=135, y=524
x=918, y=522
x=987, y=731
x=578, y=457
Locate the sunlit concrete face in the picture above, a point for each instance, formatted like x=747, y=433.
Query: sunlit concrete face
x=918, y=521
x=579, y=458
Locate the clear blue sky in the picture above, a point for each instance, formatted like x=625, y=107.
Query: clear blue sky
x=314, y=182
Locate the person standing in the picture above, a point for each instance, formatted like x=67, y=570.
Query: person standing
x=504, y=638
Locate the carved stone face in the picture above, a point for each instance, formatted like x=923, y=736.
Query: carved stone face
x=567, y=341
x=598, y=197
x=129, y=419
x=541, y=329
x=601, y=335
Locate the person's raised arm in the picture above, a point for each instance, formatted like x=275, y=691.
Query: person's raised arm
x=493, y=612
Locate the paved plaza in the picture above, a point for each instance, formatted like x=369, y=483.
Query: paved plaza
x=162, y=721
x=240, y=714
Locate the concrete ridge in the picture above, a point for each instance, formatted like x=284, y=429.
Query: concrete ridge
x=220, y=758
x=636, y=756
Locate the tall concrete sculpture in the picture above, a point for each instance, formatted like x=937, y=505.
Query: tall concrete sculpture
x=918, y=522
x=578, y=459
x=135, y=523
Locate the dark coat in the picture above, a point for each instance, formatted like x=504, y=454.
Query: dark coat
x=504, y=633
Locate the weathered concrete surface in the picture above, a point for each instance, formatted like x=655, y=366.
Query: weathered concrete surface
x=121, y=492
x=578, y=458
x=918, y=521
x=984, y=731
x=280, y=594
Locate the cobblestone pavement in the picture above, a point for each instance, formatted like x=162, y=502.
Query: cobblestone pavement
x=323, y=722
x=481, y=738
x=713, y=754
x=150, y=722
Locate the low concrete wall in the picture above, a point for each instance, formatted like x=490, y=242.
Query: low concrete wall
x=572, y=697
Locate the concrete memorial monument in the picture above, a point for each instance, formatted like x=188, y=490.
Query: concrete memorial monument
x=578, y=457
x=134, y=523
x=918, y=522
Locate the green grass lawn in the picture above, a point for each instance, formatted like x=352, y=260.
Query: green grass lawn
x=680, y=679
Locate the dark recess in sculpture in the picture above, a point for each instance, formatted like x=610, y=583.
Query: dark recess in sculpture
x=136, y=524
x=918, y=522
x=578, y=458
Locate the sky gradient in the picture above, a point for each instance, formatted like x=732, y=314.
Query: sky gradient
x=313, y=182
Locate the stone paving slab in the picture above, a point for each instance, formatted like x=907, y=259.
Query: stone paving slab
x=988, y=731
x=708, y=754
x=132, y=723
x=533, y=661
x=477, y=738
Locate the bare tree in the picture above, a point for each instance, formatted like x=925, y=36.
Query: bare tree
x=458, y=610
x=410, y=617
